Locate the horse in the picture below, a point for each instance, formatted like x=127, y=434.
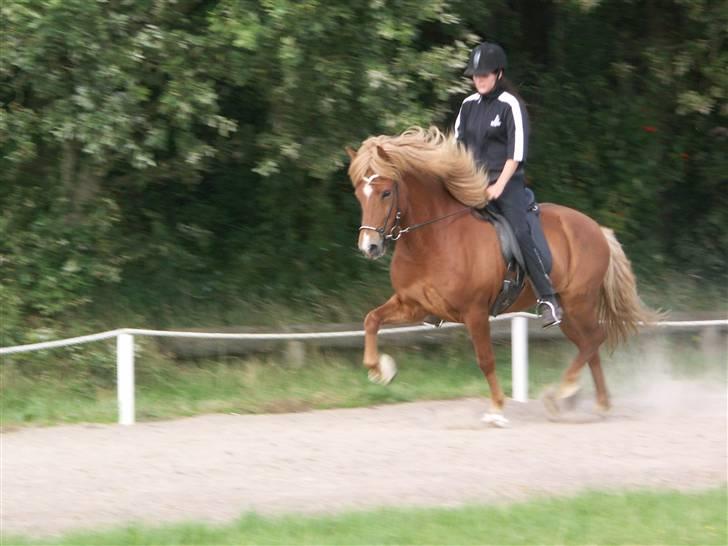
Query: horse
x=419, y=189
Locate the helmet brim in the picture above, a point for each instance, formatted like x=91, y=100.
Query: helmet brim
x=480, y=71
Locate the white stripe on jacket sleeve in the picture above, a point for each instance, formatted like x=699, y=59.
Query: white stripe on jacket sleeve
x=517, y=121
x=474, y=96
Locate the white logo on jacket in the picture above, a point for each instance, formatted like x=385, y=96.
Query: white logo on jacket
x=496, y=122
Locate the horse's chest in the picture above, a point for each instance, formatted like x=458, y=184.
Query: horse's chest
x=453, y=275
x=435, y=286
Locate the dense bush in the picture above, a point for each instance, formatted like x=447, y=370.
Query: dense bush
x=156, y=152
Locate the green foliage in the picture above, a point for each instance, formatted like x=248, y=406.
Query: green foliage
x=193, y=150
x=630, y=129
x=101, y=101
x=50, y=264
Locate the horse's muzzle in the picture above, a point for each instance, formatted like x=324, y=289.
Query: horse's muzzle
x=374, y=252
x=371, y=245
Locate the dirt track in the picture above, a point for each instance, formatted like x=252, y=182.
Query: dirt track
x=431, y=453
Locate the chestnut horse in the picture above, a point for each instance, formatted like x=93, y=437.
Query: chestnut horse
x=419, y=189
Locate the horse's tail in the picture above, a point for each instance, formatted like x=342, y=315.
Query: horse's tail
x=620, y=308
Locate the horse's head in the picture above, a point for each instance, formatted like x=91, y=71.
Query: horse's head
x=427, y=160
x=378, y=195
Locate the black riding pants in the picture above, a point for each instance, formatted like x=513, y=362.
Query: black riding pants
x=513, y=203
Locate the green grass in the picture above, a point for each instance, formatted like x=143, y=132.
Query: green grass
x=666, y=518
x=166, y=388
x=78, y=384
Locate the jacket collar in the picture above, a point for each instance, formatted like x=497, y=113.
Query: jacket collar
x=493, y=94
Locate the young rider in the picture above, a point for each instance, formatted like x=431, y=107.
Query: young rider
x=493, y=125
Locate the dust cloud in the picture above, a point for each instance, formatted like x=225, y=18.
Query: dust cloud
x=667, y=376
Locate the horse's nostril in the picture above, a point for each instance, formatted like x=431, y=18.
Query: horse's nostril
x=373, y=250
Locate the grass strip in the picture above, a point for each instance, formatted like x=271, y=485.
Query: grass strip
x=78, y=386
x=666, y=518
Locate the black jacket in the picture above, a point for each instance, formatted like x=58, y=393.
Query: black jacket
x=494, y=127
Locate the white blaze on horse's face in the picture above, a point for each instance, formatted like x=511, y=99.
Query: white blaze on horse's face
x=375, y=197
x=368, y=180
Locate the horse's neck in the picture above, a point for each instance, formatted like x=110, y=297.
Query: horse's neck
x=426, y=201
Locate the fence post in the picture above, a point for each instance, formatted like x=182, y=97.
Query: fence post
x=519, y=358
x=295, y=353
x=125, y=378
x=710, y=342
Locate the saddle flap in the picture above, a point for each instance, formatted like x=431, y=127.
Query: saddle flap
x=508, y=243
x=510, y=248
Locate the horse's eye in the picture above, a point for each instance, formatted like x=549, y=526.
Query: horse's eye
x=386, y=193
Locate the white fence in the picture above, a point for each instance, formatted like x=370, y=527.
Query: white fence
x=125, y=349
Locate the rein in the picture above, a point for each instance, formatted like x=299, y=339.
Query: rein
x=396, y=230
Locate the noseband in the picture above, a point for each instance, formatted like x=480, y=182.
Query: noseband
x=396, y=230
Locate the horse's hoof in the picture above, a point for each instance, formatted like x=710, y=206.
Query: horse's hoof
x=569, y=395
x=384, y=372
x=496, y=420
x=602, y=409
x=567, y=390
x=548, y=398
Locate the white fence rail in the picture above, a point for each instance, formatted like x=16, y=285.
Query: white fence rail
x=125, y=349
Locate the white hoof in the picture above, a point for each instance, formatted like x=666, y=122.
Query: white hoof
x=384, y=372
x=495, y=419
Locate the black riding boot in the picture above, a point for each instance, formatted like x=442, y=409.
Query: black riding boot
x=550, y=310
x=514, y=204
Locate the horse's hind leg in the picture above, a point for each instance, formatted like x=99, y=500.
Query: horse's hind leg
x=581, y=326
x=382, y=369
x=478, y=325
x=600, y=384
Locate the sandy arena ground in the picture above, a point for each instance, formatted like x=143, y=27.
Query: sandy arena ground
x=215, y=467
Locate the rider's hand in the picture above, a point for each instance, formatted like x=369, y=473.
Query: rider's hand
x=494, y=191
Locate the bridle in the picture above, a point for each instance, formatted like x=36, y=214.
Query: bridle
x=396, y=231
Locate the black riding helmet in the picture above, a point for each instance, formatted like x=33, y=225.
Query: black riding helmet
x=486, y=58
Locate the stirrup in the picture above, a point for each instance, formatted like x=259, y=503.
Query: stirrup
x=551, y=324
x=433, y=322
x=553, y=311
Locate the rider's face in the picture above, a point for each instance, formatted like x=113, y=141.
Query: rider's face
x=486, y=82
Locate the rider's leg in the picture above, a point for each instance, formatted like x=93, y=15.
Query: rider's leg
x=513, y=204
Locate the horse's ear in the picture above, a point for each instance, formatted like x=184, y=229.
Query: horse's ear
x=351, y=152
x=382, y=153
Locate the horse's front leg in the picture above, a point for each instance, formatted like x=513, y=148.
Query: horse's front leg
x=478, y=324
x=382, y=369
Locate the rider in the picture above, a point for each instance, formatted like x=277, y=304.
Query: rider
x=493, y=125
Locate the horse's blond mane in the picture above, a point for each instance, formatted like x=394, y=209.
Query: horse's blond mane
x=422, y=153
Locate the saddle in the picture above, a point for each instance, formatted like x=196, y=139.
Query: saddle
x=515, y=277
